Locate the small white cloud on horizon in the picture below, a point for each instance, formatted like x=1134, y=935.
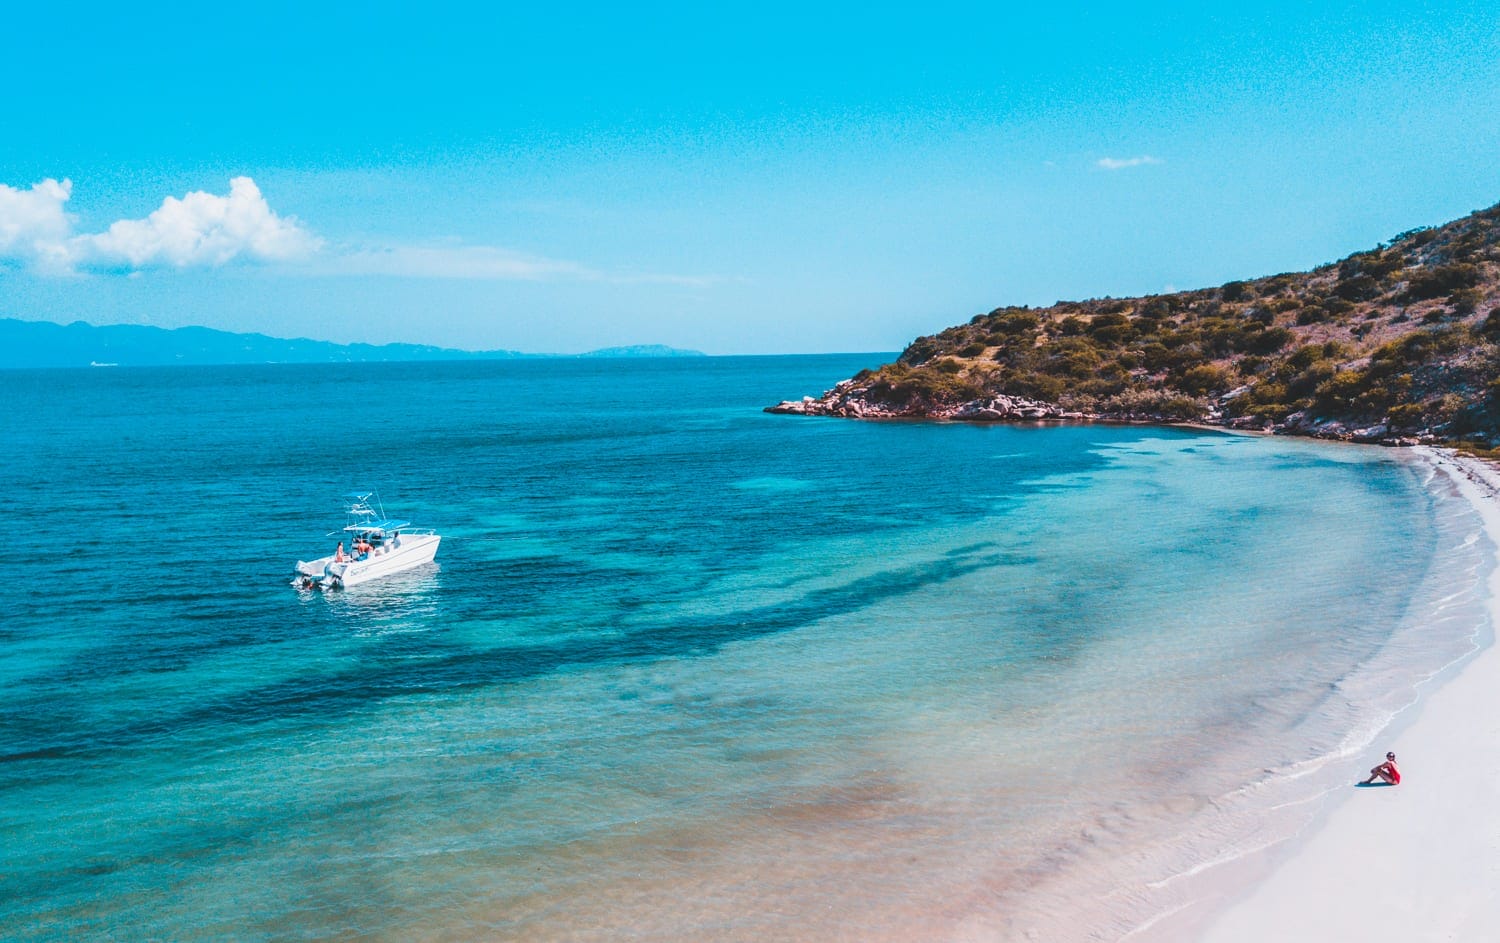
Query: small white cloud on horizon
x=460, y=262
x=1120, y=163
x=482, y=263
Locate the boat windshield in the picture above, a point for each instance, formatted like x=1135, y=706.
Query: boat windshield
x=377, y=527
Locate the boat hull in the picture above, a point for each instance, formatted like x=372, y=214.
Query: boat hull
x=414, y=550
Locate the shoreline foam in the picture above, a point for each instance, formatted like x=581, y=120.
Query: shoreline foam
x=1415, y=862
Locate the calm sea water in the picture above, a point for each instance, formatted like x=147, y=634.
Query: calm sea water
x=683, y=670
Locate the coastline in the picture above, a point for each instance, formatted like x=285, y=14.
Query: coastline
x=1414, y=862
x=847, y=400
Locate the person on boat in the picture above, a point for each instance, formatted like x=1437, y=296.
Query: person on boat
x=1386, y=771
x=338, y=555
x=362, y=548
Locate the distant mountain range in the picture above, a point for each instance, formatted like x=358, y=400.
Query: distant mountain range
x=45, y=344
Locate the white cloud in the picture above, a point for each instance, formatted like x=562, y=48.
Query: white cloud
x=199, y=229
x=1120, y=163
x=205, y=230
x=33, y=226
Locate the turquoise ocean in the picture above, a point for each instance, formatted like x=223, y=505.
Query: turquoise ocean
x=683, y=670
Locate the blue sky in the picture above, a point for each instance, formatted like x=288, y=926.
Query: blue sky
x=767, y=179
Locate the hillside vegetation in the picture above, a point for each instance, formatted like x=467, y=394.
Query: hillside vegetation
x=1398, y=342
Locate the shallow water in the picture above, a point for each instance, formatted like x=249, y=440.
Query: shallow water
x=684, y=670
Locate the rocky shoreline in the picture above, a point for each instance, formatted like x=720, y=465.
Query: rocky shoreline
x=849, y=400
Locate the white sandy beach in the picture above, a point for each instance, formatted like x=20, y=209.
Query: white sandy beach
x=1419, y=861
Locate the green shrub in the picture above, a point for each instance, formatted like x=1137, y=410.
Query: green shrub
x=1204, y=378
x=1373, y=265
x=1405, y=416
x=1035, y=386
x=1266, y=393
x=1252, y=364
x=1466, y=300
x=1015, y=322
x=1101, y=386
x=900, y=385
x=1156, y=308
x=1379, y=395
x=1232, y=291
x=1268, y=341
x=921, y=350
x=1449, y=407
x=1338, y=392
x=1175, y=339
x=1156, y=358
x=1359, y=288
x=1155, y=403
x=1111, y=328
x=1271, y=412
x=1441, y=280
x=1305, y=356
x=1417, y=237
x=1420, y=347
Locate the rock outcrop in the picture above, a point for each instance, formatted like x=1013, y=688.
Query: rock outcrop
x=849, y=401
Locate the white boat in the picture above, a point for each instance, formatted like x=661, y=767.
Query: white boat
x=377, y=546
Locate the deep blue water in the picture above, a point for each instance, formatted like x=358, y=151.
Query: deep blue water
x=679, y=660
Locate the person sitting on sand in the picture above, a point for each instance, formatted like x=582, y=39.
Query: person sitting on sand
x=1386, y=771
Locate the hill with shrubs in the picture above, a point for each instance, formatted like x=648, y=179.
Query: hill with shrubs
x=1400, y=343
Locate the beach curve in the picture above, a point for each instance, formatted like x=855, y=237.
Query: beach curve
x=1415, y=862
